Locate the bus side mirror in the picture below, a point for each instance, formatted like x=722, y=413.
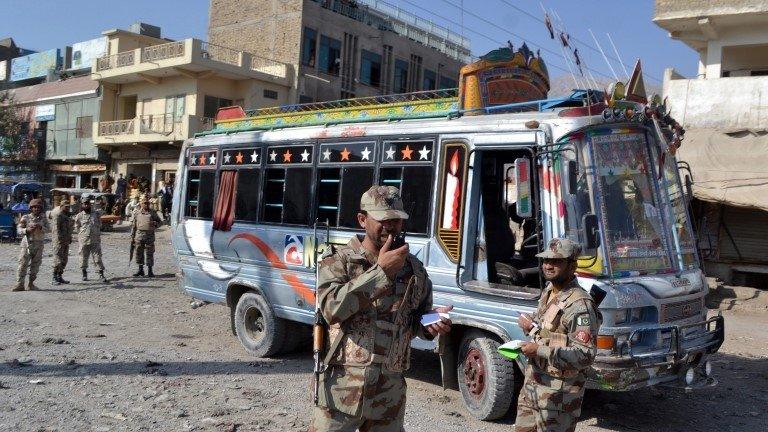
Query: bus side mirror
x=572, y=174
x=591, y=231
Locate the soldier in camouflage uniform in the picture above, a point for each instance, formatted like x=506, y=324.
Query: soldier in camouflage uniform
x=144, y=222
x=88, y=227
x=563, y=331
x=61, y=224
x=32, y=227
x=372, y=299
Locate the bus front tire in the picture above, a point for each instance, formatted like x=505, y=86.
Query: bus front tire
x=486, y=378
x=260, y=332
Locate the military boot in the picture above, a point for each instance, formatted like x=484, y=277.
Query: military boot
x=102, y=277
x=61, y=279
x=56, y=280
x=140, y=272
x=31, y=285
x=19, y=286
x=85, y=275
x=149, y=272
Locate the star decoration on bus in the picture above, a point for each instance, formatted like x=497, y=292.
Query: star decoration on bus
x=202, y=159
x=194, y=160
x=366, y=154
x=254, y=157
x=272, y=156
x=212, y=159
x=239, y=157
x=227, y=158
x=424, y=153
x=305, y=156
x=390, y=153
x=287, y=156
x=327, y=155
x=406, y=152
x=345, y=154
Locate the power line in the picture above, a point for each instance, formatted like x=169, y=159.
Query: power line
x=572, y=37
x=477, y=33
x=532, y=43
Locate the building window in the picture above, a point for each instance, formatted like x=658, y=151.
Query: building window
x=430, y=80
x=200, y=191
x=370, y=68
x=174, y=107
x=84, y=127
x=400, y=84
x=246, y=202
x=270, y=94
x=212, y=104
x=447, y=83
x=309, y=47
x=330, y=55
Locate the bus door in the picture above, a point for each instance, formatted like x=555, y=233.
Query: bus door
x=503, y=226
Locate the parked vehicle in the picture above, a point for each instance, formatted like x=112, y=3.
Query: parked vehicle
x=105, y=201
x=598, y=169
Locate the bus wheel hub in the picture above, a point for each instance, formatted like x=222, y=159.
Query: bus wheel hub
x=474, y=372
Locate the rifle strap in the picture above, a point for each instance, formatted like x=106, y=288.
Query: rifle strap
x=332, y=349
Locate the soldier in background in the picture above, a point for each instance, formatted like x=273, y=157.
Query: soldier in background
x=61, y=224
x=563, y=331
x=369, y=293
x=144, y=222
x=88, y=227
x=32, y=227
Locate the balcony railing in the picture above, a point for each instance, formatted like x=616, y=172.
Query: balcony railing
x=117, y=127
x=164, y=124
x=205, y=123
x=162, y=52
x=118, y=60
x=269, y=66
x=220, y=53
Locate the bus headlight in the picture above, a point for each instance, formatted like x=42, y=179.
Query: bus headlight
x=690, y=375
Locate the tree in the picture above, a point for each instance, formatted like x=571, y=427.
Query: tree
x=10, y=126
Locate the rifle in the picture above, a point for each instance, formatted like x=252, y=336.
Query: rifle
x=318, y=329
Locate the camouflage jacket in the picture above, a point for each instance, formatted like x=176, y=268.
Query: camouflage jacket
x=88, y=227
x=61, y=226
x=371, y=318
x=28, y=220
x=568, y=326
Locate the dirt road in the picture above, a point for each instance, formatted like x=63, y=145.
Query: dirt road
x=134, y=356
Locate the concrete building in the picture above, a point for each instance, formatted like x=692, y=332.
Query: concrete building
x=155, y=93
x=343, y=48
x=725, y=113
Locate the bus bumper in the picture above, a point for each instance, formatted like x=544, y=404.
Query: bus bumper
x=682, y=363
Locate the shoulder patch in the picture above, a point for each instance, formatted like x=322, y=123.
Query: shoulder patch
x=583, y=320
x=583, y=336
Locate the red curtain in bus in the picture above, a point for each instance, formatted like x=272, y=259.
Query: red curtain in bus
x=224, y=212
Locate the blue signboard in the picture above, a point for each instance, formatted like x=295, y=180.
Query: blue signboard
x=34, y=65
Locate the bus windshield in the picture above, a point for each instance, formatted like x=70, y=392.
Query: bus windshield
x=629, y=202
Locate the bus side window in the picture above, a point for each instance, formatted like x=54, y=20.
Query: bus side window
x=246, y=201
x=339, y=192
x=287, y=195
x=200, y=188
x=407, y=165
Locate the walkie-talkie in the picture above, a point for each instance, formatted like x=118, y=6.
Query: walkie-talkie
x=398, y=241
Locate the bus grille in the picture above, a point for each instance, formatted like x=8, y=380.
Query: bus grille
x=680, y=310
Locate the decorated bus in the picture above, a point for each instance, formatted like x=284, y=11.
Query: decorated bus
x=489, y=173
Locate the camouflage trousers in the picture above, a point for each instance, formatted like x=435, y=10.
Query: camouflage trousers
x=145, y=249
x=93, y=250
x=378, y=400
x=30, y=257
x=60, y=256
x=548, y=404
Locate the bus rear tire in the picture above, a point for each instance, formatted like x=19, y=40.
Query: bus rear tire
x=486, y=378
x=260, y=332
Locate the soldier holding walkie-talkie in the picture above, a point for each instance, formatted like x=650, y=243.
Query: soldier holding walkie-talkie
x=372, y=295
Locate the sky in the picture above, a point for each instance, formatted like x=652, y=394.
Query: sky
x=46, y=24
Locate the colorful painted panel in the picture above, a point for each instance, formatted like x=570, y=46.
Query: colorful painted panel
x=203, y=159
x=407, y=152
x=348, y=153
x=245, y=157
x=290, y=155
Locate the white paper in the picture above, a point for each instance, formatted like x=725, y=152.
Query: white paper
x=432, y=317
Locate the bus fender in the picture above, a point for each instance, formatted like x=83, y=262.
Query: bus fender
x=447, y=346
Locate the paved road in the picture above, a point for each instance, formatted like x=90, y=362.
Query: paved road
x=135, y=356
